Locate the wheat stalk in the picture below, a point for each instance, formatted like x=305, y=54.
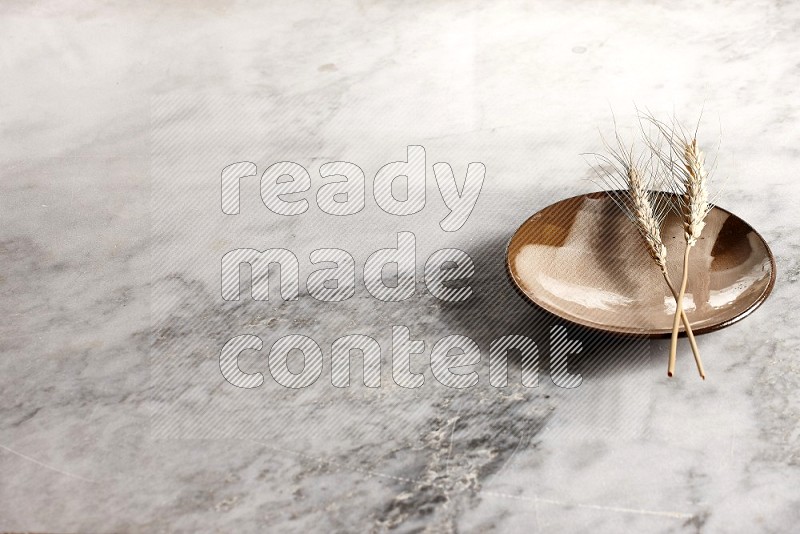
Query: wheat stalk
x=695, y=207
x=685, y=165
x=630, y=190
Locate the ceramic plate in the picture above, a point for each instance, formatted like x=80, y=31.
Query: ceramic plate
x=583, y=260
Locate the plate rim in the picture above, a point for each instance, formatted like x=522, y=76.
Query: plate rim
x=632, y=331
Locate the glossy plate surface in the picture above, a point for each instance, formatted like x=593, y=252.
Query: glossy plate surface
x=584, y=261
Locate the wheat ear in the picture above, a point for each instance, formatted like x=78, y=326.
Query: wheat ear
x=687, y=179
x=631, y=193
x=694, y=209
x=650, y=228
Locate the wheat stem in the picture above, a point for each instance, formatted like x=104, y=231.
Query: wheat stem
x=687, y=327
x=679, y=303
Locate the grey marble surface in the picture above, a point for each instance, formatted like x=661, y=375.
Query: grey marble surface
x=104, y=103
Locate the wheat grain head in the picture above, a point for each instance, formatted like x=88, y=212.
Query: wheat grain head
x=684, y=163
x=695, y=205
x=628, y=180
x=649, y=225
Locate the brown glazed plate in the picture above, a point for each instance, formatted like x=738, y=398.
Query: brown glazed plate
x=584, y=261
